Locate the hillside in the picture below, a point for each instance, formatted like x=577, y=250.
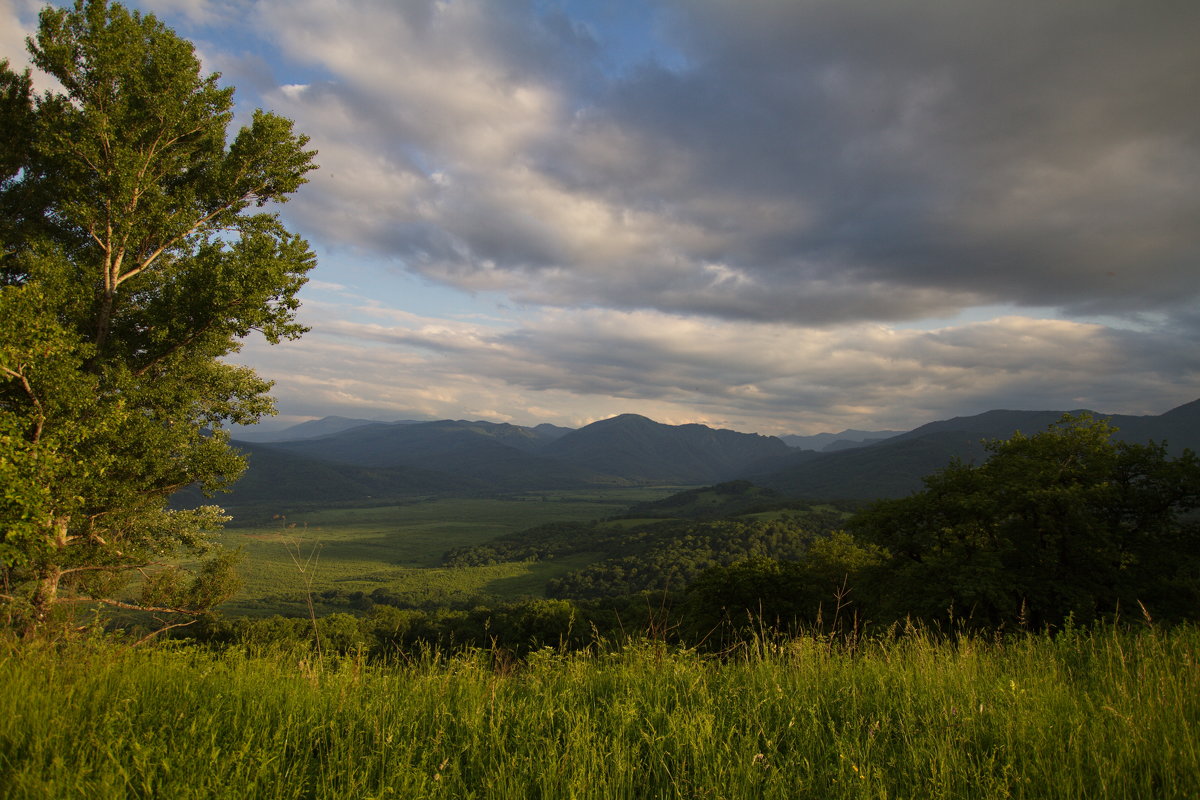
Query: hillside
x=836, y=441
x=895, y=466
x=643, y=450
x=887, y=469
x=500, y=456
x=279, y=479
x=730, y=499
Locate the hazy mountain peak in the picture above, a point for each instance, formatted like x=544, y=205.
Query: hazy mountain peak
x=311, y=429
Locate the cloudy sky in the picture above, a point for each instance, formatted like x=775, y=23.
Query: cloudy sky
x=782, y=216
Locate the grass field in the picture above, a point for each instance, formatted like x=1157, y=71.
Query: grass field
x=1100, y=714
x=399, y=547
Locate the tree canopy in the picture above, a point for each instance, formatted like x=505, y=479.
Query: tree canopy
x=136, y=253
x=1064, y=523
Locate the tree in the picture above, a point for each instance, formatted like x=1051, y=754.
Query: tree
x=1064, y=523
x=828, y=585
x=134, y=257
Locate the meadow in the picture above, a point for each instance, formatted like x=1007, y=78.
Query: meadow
x=1097, y=713
x=299, y=554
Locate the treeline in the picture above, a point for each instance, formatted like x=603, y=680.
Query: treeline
x=720, y=609
x=673, y=554
x=1064, y=527
x=650, y=556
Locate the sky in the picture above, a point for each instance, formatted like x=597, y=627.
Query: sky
x=778, y=216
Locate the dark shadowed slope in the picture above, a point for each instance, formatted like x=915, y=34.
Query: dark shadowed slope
x=888, y=469
x=894, y=467
x=501, y=455
x=644, y=450
x=278, y=478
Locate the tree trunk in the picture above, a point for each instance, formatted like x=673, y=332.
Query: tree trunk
x=46, y=594
x=103, y=320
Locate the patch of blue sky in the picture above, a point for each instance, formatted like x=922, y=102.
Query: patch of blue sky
x=246, y=59
x=342, y=277
x=630, y=33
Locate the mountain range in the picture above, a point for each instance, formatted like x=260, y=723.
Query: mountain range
x=340, y=460
x=894, y=467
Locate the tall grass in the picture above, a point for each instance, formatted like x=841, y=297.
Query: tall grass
x=1095, y=714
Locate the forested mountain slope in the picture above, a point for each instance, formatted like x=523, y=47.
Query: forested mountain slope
x=895, y=466
x=362, y=460
x=644, y=450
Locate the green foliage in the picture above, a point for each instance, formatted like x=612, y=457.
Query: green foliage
x=670, y=555
x=1062, y=524
x=215, y=581
x=655, y=556
x=829, y=586
x=129, y=268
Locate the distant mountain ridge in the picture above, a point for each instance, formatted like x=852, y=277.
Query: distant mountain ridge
x=845, y=440
x=312, y=429
x=645, y=451
x=503, y=456
x=489, y=457
x=338, y=459
x=895, y=466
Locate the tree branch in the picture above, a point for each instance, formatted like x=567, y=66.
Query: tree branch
x=132, y=606
x=150, y=259
x=157, y=631
x=37, y=404
x=177, y=347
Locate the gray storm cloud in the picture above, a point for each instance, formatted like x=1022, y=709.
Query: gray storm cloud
x=784, y=216
x=817, y=162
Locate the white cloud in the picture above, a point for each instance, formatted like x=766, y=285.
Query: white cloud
x=14, y=27
x=732, y=239
x=18, y=20
x=563, y=367
x=847, y=161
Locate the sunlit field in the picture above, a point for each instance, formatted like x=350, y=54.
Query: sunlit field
x=1097, y=714
x=398, y=548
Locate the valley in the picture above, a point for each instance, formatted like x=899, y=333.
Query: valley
x=351, y=513
x=398, y=549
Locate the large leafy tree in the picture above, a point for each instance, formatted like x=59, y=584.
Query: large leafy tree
x=135, y=253
x=1067, y=522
